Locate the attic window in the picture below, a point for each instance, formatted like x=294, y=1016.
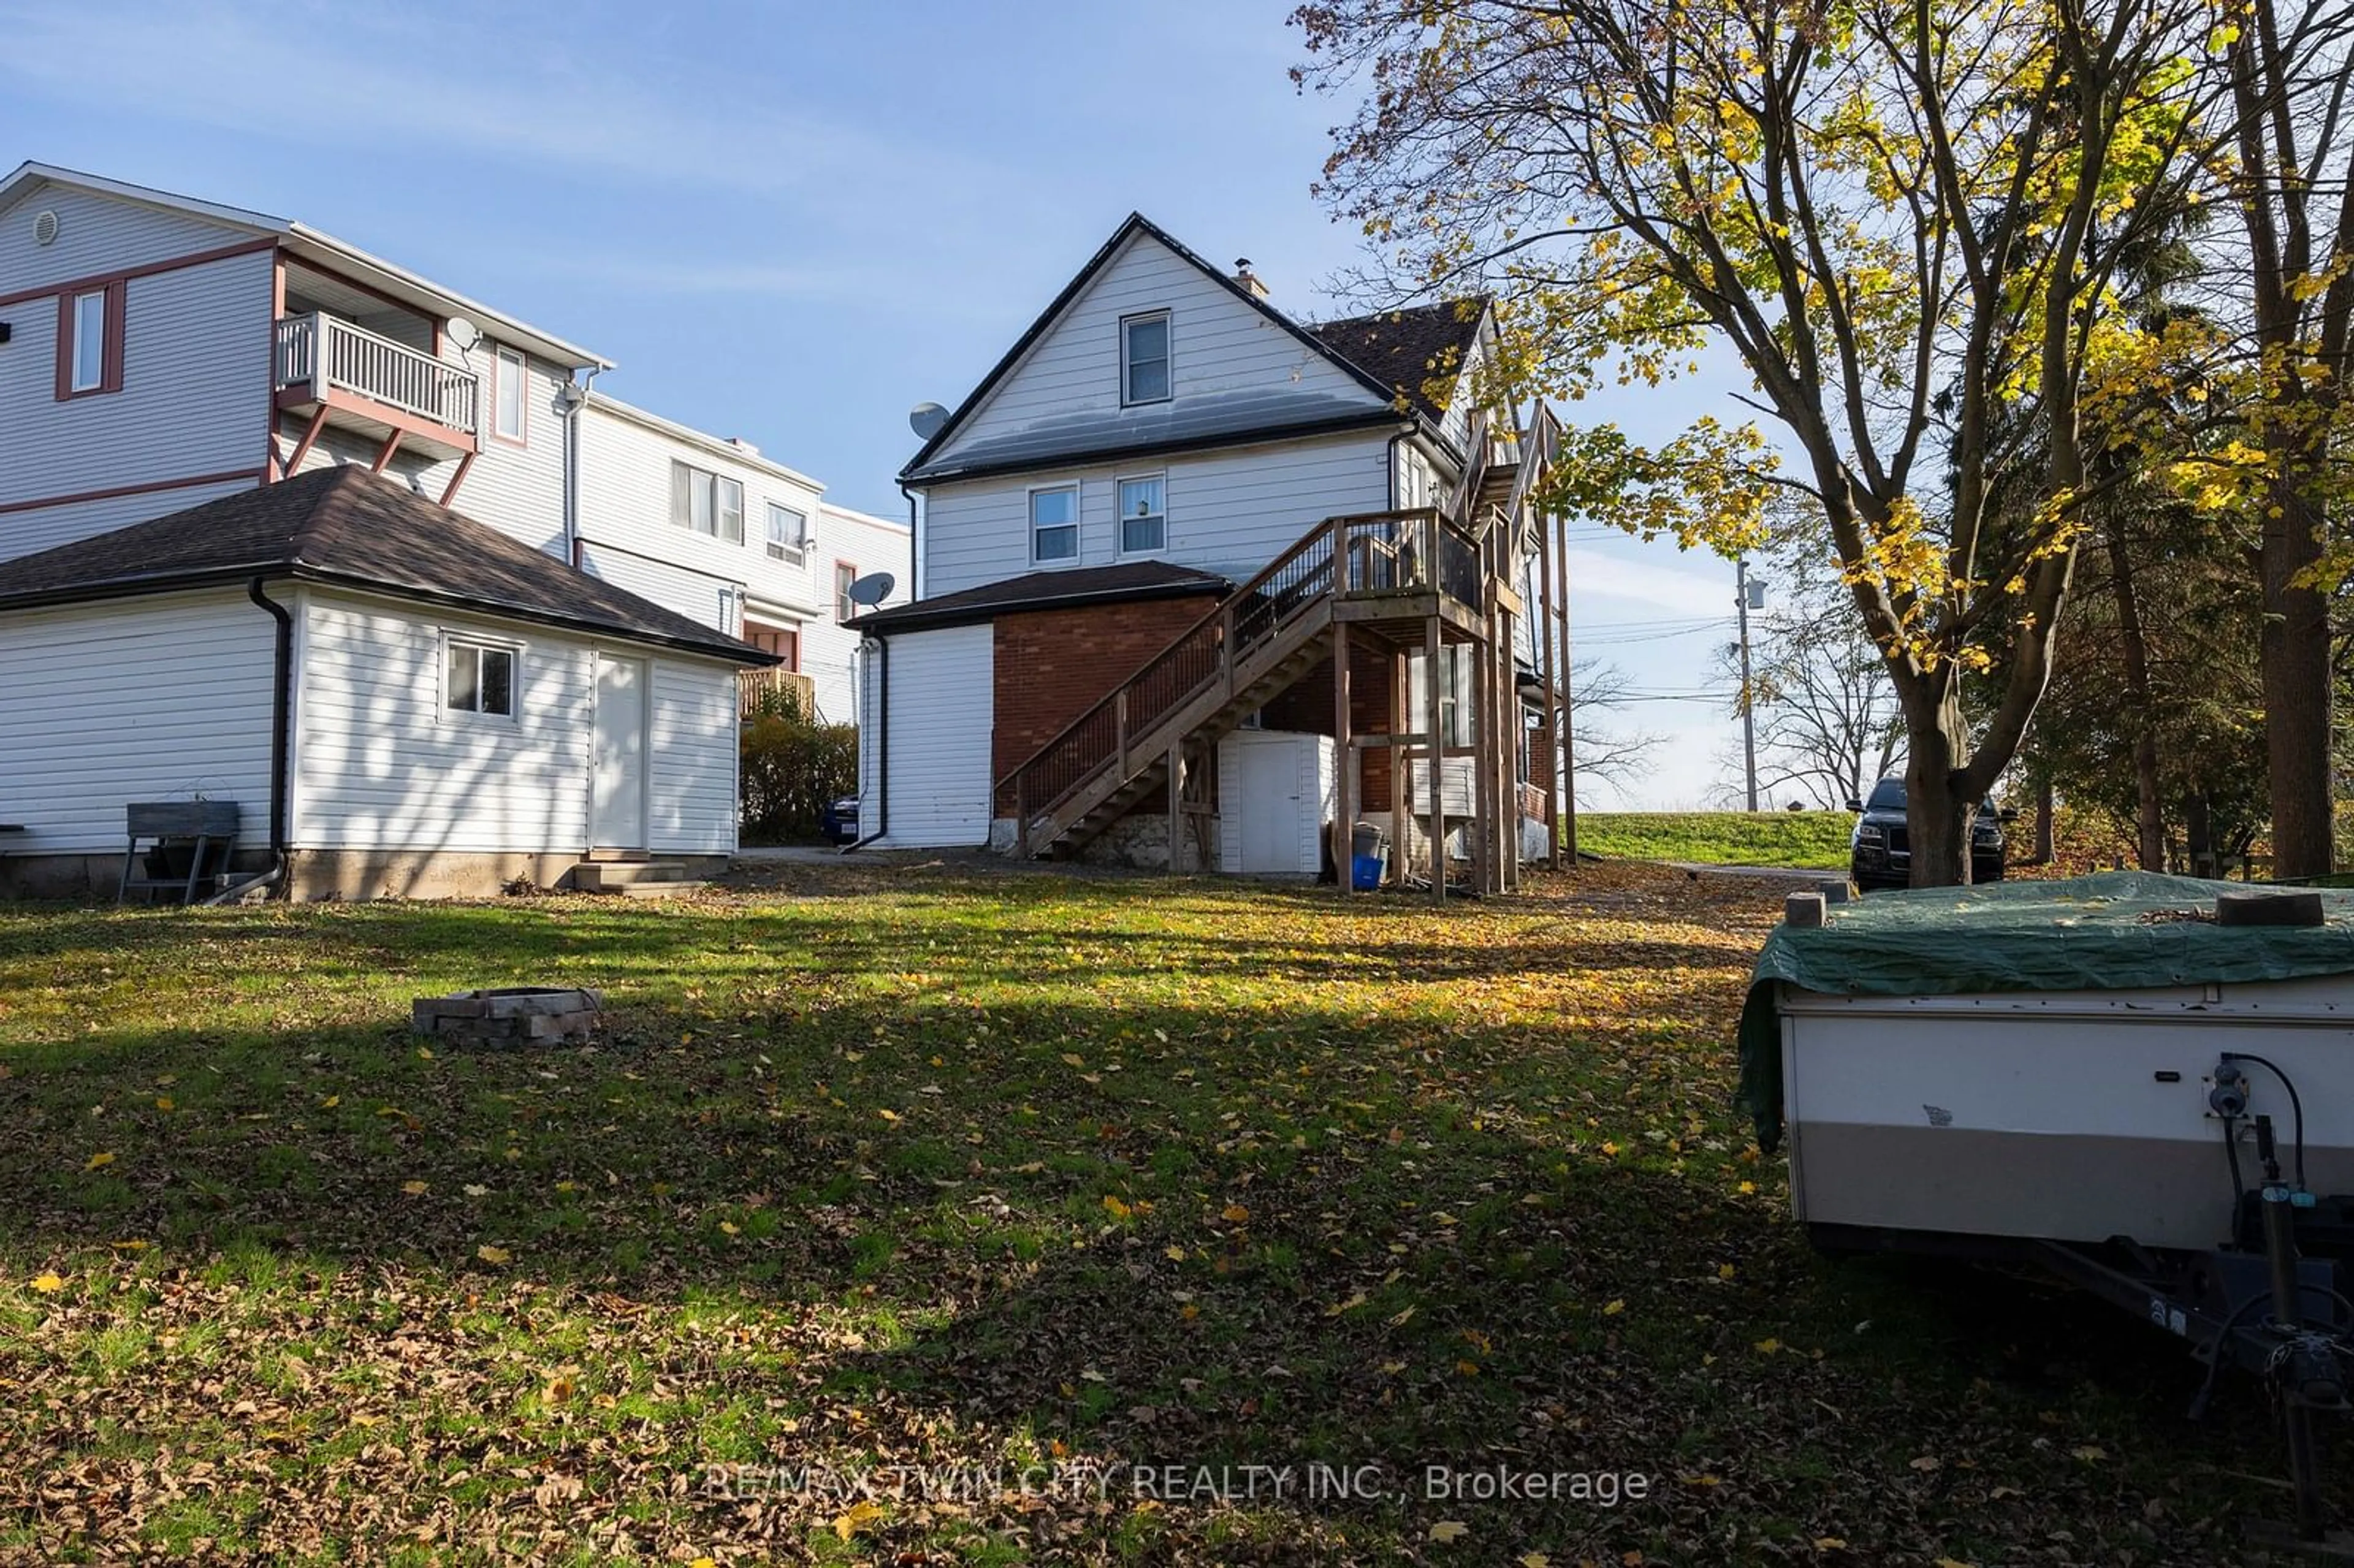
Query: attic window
x=1144, y=358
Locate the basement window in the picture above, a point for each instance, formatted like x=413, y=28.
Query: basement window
x=1144, y=358
x=479, y=678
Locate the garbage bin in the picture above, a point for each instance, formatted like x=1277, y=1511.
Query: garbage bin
x=1369, y=853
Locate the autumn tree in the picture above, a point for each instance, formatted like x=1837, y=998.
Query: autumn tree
x=1900, y=216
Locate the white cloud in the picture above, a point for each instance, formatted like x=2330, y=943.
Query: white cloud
x=1594, y=574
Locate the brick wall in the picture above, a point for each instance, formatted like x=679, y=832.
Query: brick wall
x=1054, y=664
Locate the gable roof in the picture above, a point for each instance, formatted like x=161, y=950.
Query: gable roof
x=302, y=240
x=1406, y=349
x=1241, y=421
x=1054, y=588
x=349, y=528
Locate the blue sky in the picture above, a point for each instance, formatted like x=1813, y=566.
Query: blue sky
x=790, y=221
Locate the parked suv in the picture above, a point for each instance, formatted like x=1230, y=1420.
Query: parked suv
x=1880, y=851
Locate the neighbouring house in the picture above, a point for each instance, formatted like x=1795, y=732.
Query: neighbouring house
x=1197, y=582
x=161, y=356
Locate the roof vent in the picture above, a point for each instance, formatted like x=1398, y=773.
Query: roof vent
x=1249, y=279
x=44, y=227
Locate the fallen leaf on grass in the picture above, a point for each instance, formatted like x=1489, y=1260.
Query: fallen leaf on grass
x=415, y=1189
x=1234, y=1215
x=492, y=1254
x=49, y=1284
x=1450, y=1530
x=100, y=1160
x=857, y=1517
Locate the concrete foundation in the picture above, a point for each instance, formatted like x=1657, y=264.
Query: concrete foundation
x=314, y=876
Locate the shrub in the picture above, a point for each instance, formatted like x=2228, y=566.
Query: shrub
x=792, y=765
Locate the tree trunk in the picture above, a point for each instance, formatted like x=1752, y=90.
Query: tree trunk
x=2198, y=835
x=2047, y=802
x=1937, y=819
x=2149, y=811
x=2297, y=682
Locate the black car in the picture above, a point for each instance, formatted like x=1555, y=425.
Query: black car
x=838, y=821
x=1881, y=851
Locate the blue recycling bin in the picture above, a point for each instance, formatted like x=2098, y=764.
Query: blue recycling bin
x=1365, y=872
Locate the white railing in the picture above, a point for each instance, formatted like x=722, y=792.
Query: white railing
x=325, y=350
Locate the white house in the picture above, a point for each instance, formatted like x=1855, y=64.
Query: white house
x=159, y=355
x=1171, y=512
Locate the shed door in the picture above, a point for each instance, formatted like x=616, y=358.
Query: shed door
x=1270, y=806
x=616, y=817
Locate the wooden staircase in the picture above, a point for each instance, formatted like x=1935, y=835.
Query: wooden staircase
x=1381, y=571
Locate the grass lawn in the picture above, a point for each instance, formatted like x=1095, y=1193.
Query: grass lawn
x=890, y=1190
x=1811, y=839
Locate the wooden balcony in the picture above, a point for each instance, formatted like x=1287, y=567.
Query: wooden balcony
x=754, y=688
x=342, y=375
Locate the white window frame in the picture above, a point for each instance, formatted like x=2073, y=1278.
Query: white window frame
x=1128, y=399
x=795, y=551
x=711, y=488
x=453, y=642
x=1030, y=520
x=89, y=344
x=1119, y=497
x=512, y=373
x=845, y=573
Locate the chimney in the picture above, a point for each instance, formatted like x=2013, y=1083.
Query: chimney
x=1248, y=279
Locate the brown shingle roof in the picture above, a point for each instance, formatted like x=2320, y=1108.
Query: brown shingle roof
x=1406, y=349
x=1060, y=588
x=348, y=527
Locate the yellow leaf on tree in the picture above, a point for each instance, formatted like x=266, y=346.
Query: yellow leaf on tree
x=49, y=1284
x=493, y=1255
x=100, y=1160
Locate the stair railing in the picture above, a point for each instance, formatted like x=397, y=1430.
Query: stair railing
x=1202, y=654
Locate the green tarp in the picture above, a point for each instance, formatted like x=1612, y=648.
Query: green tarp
x=2119, y=931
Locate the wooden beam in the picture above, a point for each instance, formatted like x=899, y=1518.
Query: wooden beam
x=457, y=479
x=1400, y=760
x=1437, y=801
x=391, y=445
x=310, y=436
x=1549, y=676
x=1176, y=805
x=1561, y=708
x=1344, y=763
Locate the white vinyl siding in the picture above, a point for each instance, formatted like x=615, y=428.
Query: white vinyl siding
x=942, y=691
x=696, y=595
x=829, y=651
x=143, y=699
x=42, y=528
x=380, y=765
x=1220, y=344
x=194, y=404
x=1230, y=511
x=691, y=798
x=98, y=234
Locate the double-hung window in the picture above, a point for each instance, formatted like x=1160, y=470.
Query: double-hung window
x=1143, y=515
x=844, y=574
x=1144, y=358
x=1054, y=523
x=510, y=379
x=479, y=678
x=706, y=502
x=788, y=535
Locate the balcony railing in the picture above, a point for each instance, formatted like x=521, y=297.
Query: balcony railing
x=769, y=690
x=329, y=353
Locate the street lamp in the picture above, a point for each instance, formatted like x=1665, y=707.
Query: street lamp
x=1747, y=596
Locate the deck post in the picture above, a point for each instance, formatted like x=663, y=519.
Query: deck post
x=1344, y=761
x=1021, y=815
x=1176, y=804
x=1438, y=749
x=1120, y=728
x=1549, y=678
x=1561, y=701
x=1400, y=760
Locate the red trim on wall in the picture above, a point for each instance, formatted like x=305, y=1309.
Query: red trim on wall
x=122, y=489
x=110, y=365
x=148, y=270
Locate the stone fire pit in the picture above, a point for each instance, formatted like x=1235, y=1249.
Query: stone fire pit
x=513, y=1016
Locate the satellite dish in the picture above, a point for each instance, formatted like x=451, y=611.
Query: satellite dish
x=927, y=420
x=462, y=332
x=872, y=590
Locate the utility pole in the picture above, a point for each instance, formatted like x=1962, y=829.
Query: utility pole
x=1741, y=595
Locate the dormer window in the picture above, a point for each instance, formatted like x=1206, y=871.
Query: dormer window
x=1144, y=358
